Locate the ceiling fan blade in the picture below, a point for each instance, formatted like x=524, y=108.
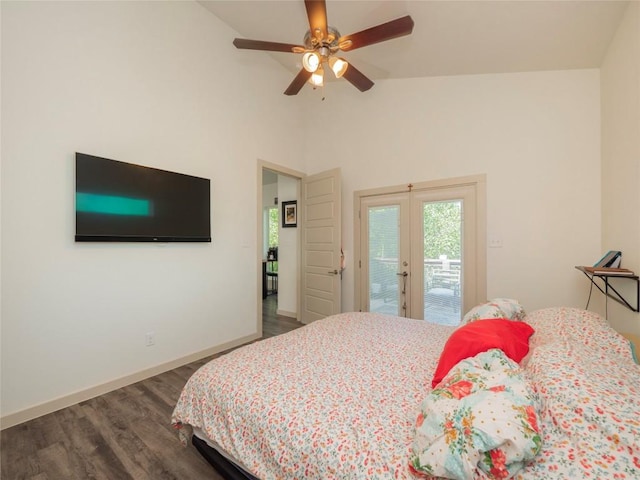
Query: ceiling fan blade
x=298, y=82
x=270, y=46
x=380, y=33
x=317, y=13
x=357, y=78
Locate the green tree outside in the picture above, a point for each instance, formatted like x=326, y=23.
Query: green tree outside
x=442, y=229
x=274, y=222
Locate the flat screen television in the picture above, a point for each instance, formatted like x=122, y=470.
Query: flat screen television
x=122, y=202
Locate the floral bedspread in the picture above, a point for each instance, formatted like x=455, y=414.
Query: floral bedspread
x=335, y=399
x=338, y=399
x=590, y=391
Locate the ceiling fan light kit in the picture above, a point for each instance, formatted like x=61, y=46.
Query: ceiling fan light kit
x=317, y=77
x=338, y=65
x=322, y=42
x=311, y=61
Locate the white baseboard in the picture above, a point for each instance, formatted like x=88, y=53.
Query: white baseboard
x=65, y=401
x=284, y=313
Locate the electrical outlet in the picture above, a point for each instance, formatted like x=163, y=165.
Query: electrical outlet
x=150, y=339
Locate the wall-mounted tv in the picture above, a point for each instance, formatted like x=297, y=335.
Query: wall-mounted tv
x=123, y=202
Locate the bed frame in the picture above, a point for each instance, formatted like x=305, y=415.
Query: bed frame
x=226, y=468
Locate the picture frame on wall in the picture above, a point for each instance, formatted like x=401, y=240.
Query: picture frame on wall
x=290, y=214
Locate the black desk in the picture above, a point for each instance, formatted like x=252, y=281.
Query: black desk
x=267, y=272
x=272, y=273
x=609, y=290
x=264, y=279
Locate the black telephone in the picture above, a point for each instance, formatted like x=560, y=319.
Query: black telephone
x=611, y=259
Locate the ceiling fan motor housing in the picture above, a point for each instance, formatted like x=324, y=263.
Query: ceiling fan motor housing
x=314, y=40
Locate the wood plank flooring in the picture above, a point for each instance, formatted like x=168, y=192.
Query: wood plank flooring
x=124, y=434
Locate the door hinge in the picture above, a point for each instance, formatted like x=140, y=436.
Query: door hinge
x=359, y=263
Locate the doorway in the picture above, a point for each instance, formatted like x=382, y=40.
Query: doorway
x=421, y=250
x=309, y=256
x=278, y=248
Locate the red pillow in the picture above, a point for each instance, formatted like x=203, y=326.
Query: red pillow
x=510, y=336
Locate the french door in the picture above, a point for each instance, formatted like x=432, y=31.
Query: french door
x=421, y=251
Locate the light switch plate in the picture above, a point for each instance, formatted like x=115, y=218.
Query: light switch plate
x=495, y=242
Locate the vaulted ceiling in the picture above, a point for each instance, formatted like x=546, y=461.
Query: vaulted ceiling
x=450, y=37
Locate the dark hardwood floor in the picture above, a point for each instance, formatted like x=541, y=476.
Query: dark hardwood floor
x=124, y=434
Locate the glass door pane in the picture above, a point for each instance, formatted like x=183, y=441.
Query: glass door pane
x=442, y=261
x=383, y=254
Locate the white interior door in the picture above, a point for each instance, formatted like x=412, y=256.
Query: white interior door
x=321, y=244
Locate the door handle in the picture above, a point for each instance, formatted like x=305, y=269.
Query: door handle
x=403, y=274
x=333, y=272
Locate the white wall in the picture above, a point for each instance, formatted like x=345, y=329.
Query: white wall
x=269, y=193
x=621, y=158
x=535, y=135
x=153, y=83
x=287, y=252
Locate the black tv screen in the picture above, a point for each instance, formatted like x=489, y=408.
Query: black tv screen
x=123, y=202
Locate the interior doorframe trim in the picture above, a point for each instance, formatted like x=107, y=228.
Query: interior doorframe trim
x=289, y=172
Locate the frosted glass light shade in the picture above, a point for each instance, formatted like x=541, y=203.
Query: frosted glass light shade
x=338, y=65
x=317, y=77
x=311, y=61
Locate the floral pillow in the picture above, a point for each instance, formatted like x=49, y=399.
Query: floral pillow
x=511, y=308
x=481, y=421
x=496, y=308
x=483, y=311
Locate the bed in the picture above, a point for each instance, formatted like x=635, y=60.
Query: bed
x=340, y=398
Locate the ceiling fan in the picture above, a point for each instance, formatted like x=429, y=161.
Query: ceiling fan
x=321, y=44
